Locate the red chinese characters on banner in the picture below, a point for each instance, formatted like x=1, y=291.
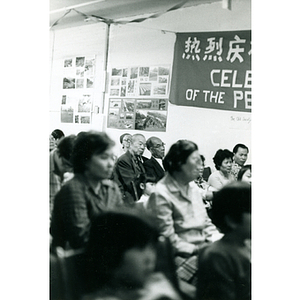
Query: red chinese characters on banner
x=213, y=70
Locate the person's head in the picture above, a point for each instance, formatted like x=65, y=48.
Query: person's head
x=93, y=155
x=147, y=184
x=231, y=209
x=245, y=174
x=64, y=149
x=121, y=249
x=55, y=136
x=223, y=160
x=183, y=157
x=138, y=144
x=156, y=147
x=240, y=152
x=202, y=165
x=125, y=140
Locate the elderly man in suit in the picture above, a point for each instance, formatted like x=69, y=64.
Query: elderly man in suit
x=128, y=168
x=154, y=166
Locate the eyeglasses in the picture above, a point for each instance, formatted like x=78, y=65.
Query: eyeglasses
x=159, y=145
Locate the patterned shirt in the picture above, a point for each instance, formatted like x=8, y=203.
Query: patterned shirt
x=235, y=169
x=75, y=205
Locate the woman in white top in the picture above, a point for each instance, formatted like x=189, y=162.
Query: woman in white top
x=223, y=163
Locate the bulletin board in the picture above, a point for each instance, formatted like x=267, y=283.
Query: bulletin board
x=139, y=98
x=77, y=90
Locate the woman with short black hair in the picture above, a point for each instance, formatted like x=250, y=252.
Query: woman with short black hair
x=178, y=208
x=88, y=193
x=222, y=176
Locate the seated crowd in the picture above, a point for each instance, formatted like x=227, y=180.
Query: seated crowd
x=120, y=211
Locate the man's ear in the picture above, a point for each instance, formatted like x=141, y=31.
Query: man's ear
x=142, y=186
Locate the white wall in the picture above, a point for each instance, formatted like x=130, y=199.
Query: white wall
x=145, y=44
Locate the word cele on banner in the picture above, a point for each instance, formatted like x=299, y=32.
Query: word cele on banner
x=213, y=70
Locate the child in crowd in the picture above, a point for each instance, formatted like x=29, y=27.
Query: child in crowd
x=224, y=267
x=121, y=258
x=203, y=185
x=146, y=185
x=245, y=174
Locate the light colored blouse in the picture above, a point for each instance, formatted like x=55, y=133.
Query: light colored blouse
x=217, y=180
x=181, y=215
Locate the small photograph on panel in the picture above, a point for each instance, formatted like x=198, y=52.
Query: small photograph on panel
x=79, y=72
x=115, y=81
x=84, y=103
x=134, y=72
x=128, y=105
x=150, y=120
x=163, y=79
x=153, y=75
x=64, y=99
x=144, y=104
x=114, y=92
x=113, y=118
x=115, y=103
x=89, y=67
x=144, y=71
x=85, y=119
x=69, y=83
x=79, y=83
x=67, y=113
x=90, y=82
x=116, y=72
x=162, y=104
x=131, y=87
x=163, y=71
x=80, y=61
x=145, y=89
x=68, y=63
x=160, y=90
x=125, y=72
x=123, y=91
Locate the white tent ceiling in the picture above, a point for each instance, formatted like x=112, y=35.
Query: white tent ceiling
x=72, y=12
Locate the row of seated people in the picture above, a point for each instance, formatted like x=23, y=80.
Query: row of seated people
x=176, y=205
x=132, y=163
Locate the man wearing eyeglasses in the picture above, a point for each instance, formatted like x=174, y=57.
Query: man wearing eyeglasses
x=129, y=167
x=154, y=166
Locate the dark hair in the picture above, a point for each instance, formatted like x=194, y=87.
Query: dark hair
x=65, y=146
x=178, y=155
x=57, y=134
x=237, y=146
x=111, y=235
x=144, y=178
x=86, y=145
x=232, y=200
x=202, y=158
x=220, y=156
x=242, y=171
x=122, y=137
x=149, y=142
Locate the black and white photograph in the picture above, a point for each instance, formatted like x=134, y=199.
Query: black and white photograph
x=151, y=151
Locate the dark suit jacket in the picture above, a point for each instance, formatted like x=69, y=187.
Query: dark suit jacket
x=153, y=168
x=125, y=175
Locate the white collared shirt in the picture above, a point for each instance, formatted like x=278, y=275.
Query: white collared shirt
x=159, y=160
